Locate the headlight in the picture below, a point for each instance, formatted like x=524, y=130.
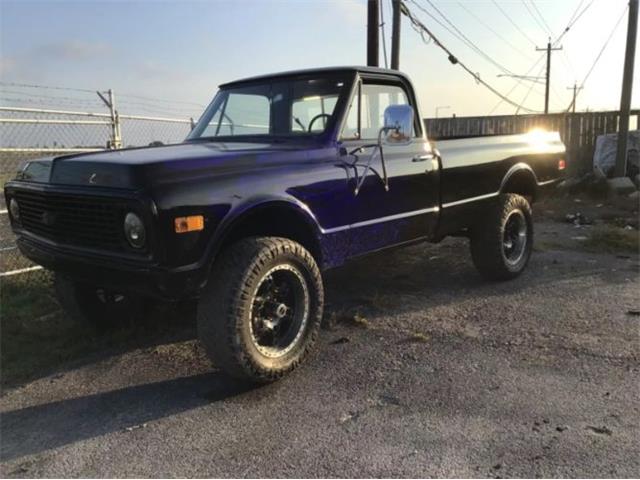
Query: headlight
x=134, y=230
x=14, y=209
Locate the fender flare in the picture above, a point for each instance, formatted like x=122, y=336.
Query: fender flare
x=241, y=212
x=516, y=169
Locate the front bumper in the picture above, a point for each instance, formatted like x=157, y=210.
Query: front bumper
x=121, y=274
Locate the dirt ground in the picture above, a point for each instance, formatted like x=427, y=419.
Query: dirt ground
x=423, y=369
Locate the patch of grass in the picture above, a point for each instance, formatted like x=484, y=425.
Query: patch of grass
x=418, y=337
x=352, y=319
x=613, y=240
x=381, y=301
x=358, y=320
x=37, y=337
x=34, y=332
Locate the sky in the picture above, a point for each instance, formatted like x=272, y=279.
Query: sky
x=167, y=57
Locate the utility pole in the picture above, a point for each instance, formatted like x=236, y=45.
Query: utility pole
x=549, y=49
x=627, y=82
x=373, y=15
x=395, y=36
x=575, y=89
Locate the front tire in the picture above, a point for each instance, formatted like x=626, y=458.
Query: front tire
x=260, y=313
x=501, y=244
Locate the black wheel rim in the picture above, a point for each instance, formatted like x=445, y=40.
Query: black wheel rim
x=279, y=311
x=514, y=241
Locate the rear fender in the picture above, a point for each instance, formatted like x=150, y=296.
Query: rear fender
x=520, y=179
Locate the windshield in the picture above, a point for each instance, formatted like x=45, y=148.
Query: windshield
x=277, y=107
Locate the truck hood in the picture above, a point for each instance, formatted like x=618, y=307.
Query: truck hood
x=141, y=167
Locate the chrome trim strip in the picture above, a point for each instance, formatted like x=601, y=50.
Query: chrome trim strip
x=381, y=220
x=470, y=199
x=547, y=182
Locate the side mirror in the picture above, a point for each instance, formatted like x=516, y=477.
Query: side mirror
x=398, y=125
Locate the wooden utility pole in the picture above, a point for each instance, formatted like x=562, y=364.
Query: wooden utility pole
x=395, y=36
x=575, y=89
x=373, y=15
x=627, y=82
x=549, y=49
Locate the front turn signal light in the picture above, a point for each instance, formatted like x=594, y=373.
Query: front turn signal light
x=561, y=164
x=193, y=223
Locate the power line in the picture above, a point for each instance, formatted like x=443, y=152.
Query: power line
x=573, y=20
x=452, y=57
x=546, y=25
x=570, y=24
x=524, y=99
x=459, y=35
x=481, y=22
x=576, y=10
x=518, y=83
x=613, y=30
x=533, y=15
x=513, y=23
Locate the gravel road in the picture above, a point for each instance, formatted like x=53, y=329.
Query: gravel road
x=423, y=369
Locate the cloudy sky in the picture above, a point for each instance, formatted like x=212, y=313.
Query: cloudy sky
x=179, y=51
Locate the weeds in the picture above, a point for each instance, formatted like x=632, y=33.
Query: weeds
x=613, y=240
x=35, y=334
x=418, y=337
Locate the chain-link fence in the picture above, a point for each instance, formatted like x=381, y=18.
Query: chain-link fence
x=28, y=133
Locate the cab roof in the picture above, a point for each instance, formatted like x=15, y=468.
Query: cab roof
x=316, y=71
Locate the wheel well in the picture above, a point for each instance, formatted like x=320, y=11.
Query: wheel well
x=523, y=183
x=275, y=221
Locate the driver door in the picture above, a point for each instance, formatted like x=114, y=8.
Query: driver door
x=408, y=210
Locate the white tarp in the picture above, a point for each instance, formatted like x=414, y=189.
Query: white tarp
x=604, y=156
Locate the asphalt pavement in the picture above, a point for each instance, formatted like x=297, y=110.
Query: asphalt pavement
x=423, y=369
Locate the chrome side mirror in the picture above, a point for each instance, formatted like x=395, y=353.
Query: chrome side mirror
x=398, y=125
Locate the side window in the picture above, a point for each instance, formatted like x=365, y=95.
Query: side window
x=375, y=98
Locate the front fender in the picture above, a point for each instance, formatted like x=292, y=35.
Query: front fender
x=240, y=212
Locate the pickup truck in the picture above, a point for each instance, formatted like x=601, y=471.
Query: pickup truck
x=283, y=177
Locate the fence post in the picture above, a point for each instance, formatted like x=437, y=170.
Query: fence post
x=116, y=139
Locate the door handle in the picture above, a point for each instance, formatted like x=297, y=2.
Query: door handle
x=423, y=158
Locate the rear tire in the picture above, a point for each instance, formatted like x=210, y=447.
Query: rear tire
x=95, y=306
x=501, y=244
x=260, y=313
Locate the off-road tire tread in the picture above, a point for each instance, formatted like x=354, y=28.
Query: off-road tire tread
x=486, y=238
x=224, y=300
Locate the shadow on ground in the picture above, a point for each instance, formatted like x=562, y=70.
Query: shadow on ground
x=51, y=425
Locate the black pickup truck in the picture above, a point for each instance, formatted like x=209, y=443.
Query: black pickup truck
x=283, y=177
